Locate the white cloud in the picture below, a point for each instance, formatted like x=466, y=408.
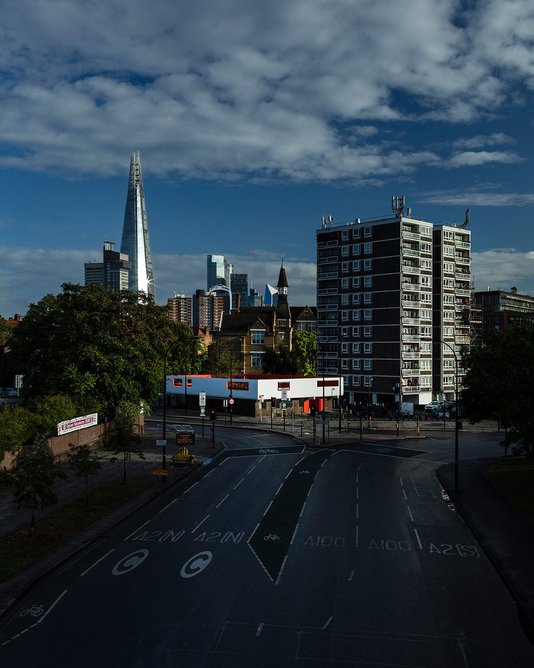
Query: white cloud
x=482, y=197
x=291, y=89
x=479, y=141
x=503, y=269
x=27, y=274
x=476, y=158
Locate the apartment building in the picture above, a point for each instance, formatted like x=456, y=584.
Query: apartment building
x=180, y=308
x=389, y=292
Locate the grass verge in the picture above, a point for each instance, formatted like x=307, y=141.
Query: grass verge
x=514, y=478
x=21, y=548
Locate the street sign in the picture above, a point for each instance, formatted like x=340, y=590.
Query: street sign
x=201, y=398
x=161, y=441
x=231, y=402
x=202, y=411
x=283, y=393
x=283, y=405
x=161, y=472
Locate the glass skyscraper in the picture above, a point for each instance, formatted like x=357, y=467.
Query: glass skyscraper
x=135, y=242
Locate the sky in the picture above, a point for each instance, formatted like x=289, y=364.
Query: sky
x=254, y=120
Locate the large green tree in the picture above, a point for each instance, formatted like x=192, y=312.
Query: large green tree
x=305, y=352
x=98, y=347
x=499, y=384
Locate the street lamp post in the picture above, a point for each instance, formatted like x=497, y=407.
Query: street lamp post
x=457, y=422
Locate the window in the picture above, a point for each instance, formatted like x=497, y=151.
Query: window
x=345, y=283
x=345, y=299
x=368, y=314
x=356, y=380
x=426, y=264
x=356, y=314
x=356, y=249
x=368, y=365
x=355, y=281
x=367, y=331
x=344, y=347
x=426, y=296
x=344, y=331
x=448, y=267
x=425, y=280
x=367, y=347
x=356, y=265
x=344, y=315
x=344, y=364
x=356, y=348
x=344, y=250
x=355, y=364
x=448, y=331
x=368, y=298
x=344, y=267
x=367, y=281
x=256, y=360
x=425, y=314
x=355, y=232
x=448, y=251
x=426, y=331
x=368, y=247
x=356, y=332
x=367, y=231
x=448, y=315
x=257, y=336
x=355, y=297
x=344, y=234
x=367, y=265
x=426, y=247
x=367, y=381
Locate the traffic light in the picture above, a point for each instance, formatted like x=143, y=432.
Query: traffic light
x=213, y=414
x=273, y=402
x=313, y=411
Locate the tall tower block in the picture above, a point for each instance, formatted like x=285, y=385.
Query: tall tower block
x=135, y=242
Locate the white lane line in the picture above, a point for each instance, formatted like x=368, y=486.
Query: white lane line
x=222, y=501
x=404, y=494
x=136, y=530
x=418, y=539
x=410, y=513
x=357, y=511
x=351, y=576
x=251, y=469
x=281, y=570
x=258, y=632
x=190, y=488
x=327, y=623
x=401, y=481
x=58, y=599
x=96, y=562
x=357, y=538
x=267, y=509
x=167, y=506
x=357, y=492
x=200, y=524
x=302, y=510
x=236, y=486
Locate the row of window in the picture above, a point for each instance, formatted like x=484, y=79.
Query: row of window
x=356, y=282
x=367, y=364
x=356, y=314
x=357, y=249
x=356, y=298
x=356, y=266
x=356, y=232
x=356, y=346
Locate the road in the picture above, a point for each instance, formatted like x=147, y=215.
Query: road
x=281, y=557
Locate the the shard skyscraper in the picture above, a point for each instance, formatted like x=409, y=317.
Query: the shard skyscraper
x=135, y=240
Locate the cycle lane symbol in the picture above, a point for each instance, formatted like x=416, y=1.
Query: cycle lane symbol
x=34, y=611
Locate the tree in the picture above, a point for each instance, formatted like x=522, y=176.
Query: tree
x=17, y=426
x=499, y=384
x=305, y=352
x=84, y=462
x=123, y=437
x=49, y=411
x=95, y=345
x=279, y=362
x=33, y=479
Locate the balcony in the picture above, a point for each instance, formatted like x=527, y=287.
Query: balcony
x=463, y=293
x=463, y=244
x=462, y=259
x=410, y=303
x=410, y=355
x=411, y=287
x=410, y=321
x=410, y=338
x=411, y=269
x=410, y=235
x=408, y=252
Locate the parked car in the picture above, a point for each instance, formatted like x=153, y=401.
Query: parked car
x=433, y=405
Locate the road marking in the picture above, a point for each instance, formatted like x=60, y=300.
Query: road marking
x=357, y=511
x=327, y=623
x=236, y=486
x=190, y=488
x=200, y=524
x=410, y=513
x=418, y=539
x=133, y=532
x=404, y=494
x=167, y=506
x=196, y=564
x=222, y=501
x=258, y=632
x=351, y=576
x=251, y=469
x=95, y=563
x=357, y=535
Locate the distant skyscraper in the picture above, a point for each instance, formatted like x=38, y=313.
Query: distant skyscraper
x=135, y=242
x=219, y=271
x=112, y=272
x=180, y=308
x=239, y=286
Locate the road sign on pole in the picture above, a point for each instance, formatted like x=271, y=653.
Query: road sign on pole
x=201, y=398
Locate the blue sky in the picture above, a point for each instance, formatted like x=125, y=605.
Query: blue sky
x=253, y=121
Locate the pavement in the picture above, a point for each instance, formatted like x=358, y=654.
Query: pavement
x=506, y=536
